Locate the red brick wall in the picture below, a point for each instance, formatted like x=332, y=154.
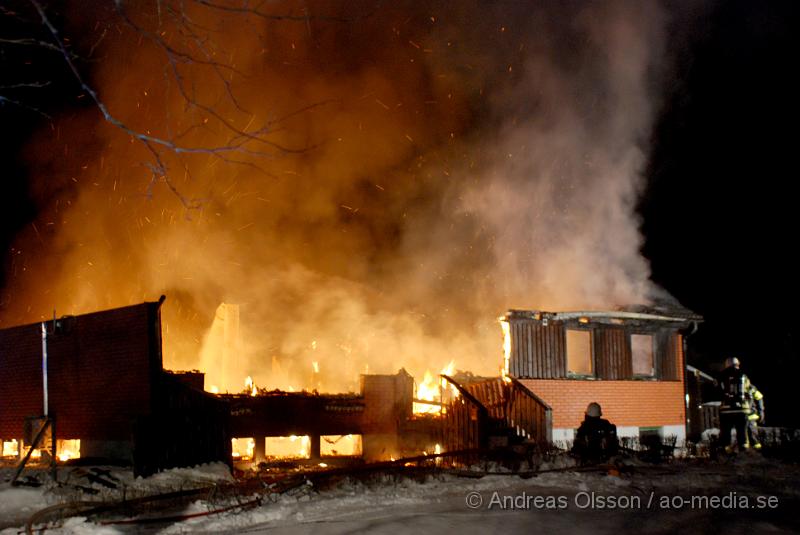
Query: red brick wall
x=624, y=403
x=20, y=378
x=101, y=371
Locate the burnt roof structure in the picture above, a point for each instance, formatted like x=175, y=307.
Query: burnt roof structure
x=630, y=316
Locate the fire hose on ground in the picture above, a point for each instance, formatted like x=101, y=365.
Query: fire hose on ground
x=278, y=485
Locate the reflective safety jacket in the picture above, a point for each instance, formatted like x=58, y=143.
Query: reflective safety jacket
x=756, y=400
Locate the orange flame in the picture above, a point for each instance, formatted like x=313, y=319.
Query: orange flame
x=291, y=447
x=68, y=449
x=506, y=350
x=243, y=448
x=250, y=386
x=430, y=390
x=11, y=448
x=341, y=445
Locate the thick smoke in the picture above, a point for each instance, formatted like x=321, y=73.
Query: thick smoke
x=559, y=195
x=453, y=162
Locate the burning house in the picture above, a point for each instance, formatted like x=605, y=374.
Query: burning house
x=631, y=362
x=96, y=382
x=273, y=425
x=93, y=386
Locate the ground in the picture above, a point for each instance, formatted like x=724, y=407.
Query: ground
x=743, y=494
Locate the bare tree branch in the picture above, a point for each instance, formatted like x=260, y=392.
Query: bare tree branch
x=26, y=85
x=27, y=41
x=187, y=46
x=6, y=100
x=270, y=16
x=150, y=139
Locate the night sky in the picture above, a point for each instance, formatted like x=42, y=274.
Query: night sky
x=718, y=212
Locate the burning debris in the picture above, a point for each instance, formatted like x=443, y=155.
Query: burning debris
x=68, y=449
x=250, y=387
x=243, y=448
x=428, y=399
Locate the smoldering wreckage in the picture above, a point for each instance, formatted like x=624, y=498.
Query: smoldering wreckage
x=91, y=390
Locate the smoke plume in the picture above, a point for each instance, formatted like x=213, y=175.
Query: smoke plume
x=429, y=166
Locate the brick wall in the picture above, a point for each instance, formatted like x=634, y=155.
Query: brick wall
x=624, y=403
x=101, y=371
x=20, y=378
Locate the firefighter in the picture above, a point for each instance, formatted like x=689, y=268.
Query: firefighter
x=755, y=417
x=596, y=439
x=736, y=405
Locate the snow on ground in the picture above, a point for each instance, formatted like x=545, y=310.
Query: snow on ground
x=567, y=503
x=20, y=502
x=557, y=502
x=17, y=504
x=195, y=476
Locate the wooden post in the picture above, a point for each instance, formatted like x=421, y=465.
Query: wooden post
x=260, y=450
x=53, y=452
x=37, y=439
x=315, y=447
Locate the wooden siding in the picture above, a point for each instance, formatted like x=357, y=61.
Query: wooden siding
x=516, y=406
x=493, y=394
x=668, y=355
x=612, y=353
x=464, y=422
x=528, y=415
x=538, y=350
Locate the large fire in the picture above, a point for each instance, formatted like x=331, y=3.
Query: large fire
x=430, y=390
x=291, y=447
x=410, y=189
x=66, y=449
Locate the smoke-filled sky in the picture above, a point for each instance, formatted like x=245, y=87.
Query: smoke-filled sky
x=415, y=169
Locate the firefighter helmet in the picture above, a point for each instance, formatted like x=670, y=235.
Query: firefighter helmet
x=593, y=410
x=732, y=361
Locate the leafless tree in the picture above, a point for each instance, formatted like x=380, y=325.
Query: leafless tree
x=185, y=47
